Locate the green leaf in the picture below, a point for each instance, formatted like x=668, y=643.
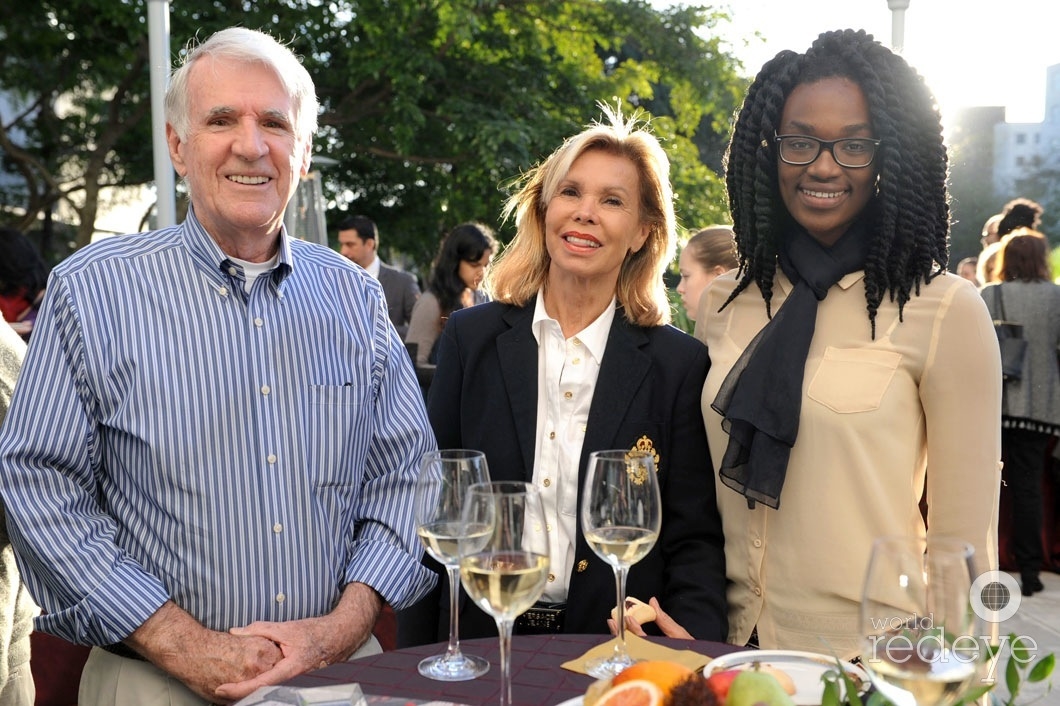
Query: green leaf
x=1042, y=670
x=1021, y=652
x=972, y=696
x=1012, y=677
x=830, y=695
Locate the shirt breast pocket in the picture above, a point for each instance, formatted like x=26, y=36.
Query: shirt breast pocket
x=849, y=381
x=335, y=429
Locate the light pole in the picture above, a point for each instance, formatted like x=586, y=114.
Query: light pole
x=158, y=43
x=898, y=8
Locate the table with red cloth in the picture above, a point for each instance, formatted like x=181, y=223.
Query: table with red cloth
x=537, y=677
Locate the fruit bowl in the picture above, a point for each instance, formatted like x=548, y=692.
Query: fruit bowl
x=804, y=668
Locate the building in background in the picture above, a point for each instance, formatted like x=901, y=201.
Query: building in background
x=1023, y=149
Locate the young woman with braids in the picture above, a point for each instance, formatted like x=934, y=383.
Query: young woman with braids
x=848, y=369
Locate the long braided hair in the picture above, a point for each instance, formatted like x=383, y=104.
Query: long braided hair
x=908, y=219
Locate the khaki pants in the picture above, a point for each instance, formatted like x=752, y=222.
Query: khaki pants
x=110, y=680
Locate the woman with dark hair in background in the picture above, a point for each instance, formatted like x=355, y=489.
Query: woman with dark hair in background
x=1030, y=413
x=456, y=277
x=1019, y=213
x=23, y=277
x=845, y=361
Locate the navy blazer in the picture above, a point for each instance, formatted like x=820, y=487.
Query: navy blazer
x=484, y=397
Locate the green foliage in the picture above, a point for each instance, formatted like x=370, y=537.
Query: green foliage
x=677, y=308
x=971, y=186
x=429, y=107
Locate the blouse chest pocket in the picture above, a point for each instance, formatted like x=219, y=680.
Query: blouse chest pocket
x=849, y=381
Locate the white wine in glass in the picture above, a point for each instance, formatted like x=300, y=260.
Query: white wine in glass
x=504, y=569
x=621, y=515
x=441, y=487
x=921, y=637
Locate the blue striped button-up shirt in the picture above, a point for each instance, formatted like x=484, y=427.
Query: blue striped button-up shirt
x=245, y=454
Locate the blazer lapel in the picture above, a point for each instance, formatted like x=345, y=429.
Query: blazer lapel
x=517, y=348
x=621, y=374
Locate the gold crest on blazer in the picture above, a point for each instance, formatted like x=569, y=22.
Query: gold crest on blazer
x=644, y=448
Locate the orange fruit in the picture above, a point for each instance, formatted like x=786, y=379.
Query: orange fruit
x=663, y=674
x=635, y=692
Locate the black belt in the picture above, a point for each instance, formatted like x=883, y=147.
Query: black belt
x=122, y=650
x=541, y=619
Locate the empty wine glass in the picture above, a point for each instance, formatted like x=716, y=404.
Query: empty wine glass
x=920, y=634
x=503, y=558
x=441, y=488
x=621, y=515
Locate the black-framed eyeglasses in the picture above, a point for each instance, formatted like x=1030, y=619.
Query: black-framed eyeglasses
x=850, y=152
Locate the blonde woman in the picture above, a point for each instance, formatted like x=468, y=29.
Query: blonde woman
x=574, y=355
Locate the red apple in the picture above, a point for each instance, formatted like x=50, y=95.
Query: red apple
x=719, y=683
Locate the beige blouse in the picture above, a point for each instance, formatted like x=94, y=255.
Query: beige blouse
x=922, y=400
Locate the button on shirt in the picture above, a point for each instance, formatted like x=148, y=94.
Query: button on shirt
x=246, y=453
x=567, y=373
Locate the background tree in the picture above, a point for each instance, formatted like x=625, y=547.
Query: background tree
x=971, y=152
x=429, y=108
x=483, y=90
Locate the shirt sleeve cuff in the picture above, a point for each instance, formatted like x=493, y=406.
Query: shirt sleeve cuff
x=117, y=607
x=399, y=577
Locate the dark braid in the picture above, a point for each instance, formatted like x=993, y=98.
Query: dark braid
x=908, y=218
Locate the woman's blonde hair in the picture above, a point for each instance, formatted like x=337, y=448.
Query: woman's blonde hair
x=521, y=270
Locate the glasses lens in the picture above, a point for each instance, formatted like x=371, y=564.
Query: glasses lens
x=796, y=149
x=854, y=152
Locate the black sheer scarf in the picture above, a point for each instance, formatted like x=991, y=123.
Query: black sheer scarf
x=761, y=396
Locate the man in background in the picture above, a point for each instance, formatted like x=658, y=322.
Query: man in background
x=358, y=241
x=209, y=460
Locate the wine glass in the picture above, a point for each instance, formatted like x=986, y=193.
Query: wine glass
x=503, y=558
x=921, y=635
x=620, y=515
x=441, y=487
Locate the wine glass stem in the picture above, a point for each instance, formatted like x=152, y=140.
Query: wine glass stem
x=620, y=591
x=504, y=630
x=453, y=650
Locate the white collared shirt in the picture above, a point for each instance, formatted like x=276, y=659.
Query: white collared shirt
x=373, y=267
x=567, y=369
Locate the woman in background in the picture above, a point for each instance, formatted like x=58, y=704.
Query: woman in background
x=708, y=253
x=455, y=283
x=1030, y=414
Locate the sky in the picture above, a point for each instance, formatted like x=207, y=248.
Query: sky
x=970, y=52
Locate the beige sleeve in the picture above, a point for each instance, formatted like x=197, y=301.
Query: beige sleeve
x=424, y=326
x=961, y=395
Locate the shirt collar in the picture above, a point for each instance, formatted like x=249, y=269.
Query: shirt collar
x=373, y=267
x=845, y=282
x=593, y=337
x=205, y=250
